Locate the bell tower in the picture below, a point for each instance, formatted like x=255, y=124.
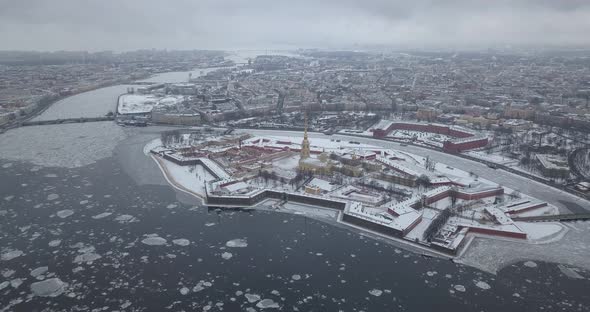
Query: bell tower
x=305, y=143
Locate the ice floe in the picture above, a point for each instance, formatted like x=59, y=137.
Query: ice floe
x=52, y=287
x=125, y=218
x=267, y=304
x=226, y=255
x=15, y=283
x=376, y=292
x=181, y=242
x=69, y=145
x=87, y=257
x=65, y=213
x=252, y=297
x=54, y=243
x=38, y=271
x=237, y=243
x=11, y=254
x=154, y=240
x=103, y=215
x=483, y=285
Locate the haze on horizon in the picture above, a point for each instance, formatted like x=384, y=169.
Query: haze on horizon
x=232, y=24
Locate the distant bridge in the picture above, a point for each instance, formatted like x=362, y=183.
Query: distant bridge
x=67, y=120
x=560, y=217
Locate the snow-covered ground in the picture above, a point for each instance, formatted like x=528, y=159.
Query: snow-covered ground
x=287, y=163
x=191, y=178
x=311, y=211
x=495, y=158
x=573, y=249
x=321, y=143
x=426, y=137
x=539, y=231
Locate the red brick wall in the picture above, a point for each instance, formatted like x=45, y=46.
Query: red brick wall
x=439, y=129
x=498, y=233
x=412, y=226
x=451, y=147
x=528, y=208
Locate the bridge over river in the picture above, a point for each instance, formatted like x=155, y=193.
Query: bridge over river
x=64, y=121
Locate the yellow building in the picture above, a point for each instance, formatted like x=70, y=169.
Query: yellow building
x=315, y=165
x=319, y=165
x=429, y=114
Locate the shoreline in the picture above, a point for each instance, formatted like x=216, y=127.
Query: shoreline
x=403, y=243
x=410, y=246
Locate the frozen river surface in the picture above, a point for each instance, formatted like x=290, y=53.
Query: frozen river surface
x=79, y=202
x=124, y=246
x=96, y=103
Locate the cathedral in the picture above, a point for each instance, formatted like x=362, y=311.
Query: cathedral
x=320, y=165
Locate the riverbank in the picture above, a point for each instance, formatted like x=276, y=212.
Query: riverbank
x=42, y=108
x=544, y=236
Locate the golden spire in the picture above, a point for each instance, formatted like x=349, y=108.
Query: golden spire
x=305, y=144
x=305, y=131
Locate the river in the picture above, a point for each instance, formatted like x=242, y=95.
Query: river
x=85, y=202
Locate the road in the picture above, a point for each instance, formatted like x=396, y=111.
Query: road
x=566, y=202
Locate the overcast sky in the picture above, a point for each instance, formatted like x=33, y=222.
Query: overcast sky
x=231, y=24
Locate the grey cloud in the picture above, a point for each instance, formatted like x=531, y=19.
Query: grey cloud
x=186, y=24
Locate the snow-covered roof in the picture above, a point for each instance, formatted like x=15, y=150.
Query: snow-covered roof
x=386, y=161
x=552, y=161
x=469, y=139
x=144, y=103
x=215, y=168
x=499, y=215
x=383, y=124
x=234, y=187
x=525, y=204
x=474, y=224
x=399, y=223
x=322, y=184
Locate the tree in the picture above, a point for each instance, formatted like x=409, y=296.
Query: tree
x=453, y=195
x=437, y=223
x=424, y=180
x=429, y=164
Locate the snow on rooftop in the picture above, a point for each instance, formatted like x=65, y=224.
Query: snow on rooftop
x=524, y=204
x=399, y=223
x=234, y=187
x=144, y=103
x=469, y=139
x=383, y=124
x=392, y=164
x=215, y=168
x=498, y=215
x=474, y=224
